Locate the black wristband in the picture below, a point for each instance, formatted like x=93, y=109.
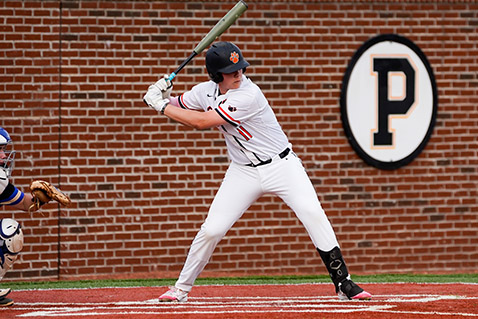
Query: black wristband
x=163, y=108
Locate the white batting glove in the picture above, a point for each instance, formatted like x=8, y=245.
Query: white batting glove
x=154, y=99
x=165, y=86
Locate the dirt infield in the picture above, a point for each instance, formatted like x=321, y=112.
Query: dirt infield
x=391, y=300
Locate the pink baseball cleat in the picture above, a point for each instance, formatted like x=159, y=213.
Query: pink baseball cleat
x=348, y=290
x=174, y=295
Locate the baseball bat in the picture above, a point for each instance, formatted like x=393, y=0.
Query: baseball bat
x=213, y=34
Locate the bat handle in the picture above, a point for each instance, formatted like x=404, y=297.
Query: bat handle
x=173, y=75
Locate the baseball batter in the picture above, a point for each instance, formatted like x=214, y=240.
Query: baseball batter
x=262, y=162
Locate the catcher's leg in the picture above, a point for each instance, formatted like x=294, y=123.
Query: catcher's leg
x=11, y=243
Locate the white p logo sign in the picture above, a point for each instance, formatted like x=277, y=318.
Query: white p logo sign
x=388, y=101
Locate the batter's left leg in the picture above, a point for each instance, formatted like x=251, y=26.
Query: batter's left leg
x=298, y=192
x=294, y=187
x=344, y=286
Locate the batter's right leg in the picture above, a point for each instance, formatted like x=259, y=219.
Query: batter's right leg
x=239, y=189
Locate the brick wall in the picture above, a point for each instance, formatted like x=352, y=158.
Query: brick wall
x=73, y=76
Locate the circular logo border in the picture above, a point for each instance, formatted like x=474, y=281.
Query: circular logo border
x=343, y=102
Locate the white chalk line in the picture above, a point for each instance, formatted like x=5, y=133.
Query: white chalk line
x=155, y=313
x=223, y=305
x=255, y=300
x=94, y=311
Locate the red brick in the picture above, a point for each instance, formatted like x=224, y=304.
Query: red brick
x=162, y=176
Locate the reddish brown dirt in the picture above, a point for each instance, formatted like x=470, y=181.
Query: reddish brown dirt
x=394, y=301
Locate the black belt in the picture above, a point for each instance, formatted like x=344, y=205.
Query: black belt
x=282, y=154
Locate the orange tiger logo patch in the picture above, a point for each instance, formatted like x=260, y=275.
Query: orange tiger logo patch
x=234, y=57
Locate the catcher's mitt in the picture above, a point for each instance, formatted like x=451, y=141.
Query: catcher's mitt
x=43, y=192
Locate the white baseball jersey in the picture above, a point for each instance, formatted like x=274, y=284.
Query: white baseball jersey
x=252, y=132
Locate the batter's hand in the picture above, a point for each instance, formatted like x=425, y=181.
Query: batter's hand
x=165, y=86
x=154, y=99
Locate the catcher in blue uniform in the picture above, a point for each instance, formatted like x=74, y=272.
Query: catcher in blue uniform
x=11, y=235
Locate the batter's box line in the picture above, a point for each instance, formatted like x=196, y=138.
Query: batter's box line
x=96, y=313
x=182, y=306
x=113, y=311
x=240, y=301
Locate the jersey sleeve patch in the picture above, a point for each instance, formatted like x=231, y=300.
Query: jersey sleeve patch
x=226, y=116
x=11, y=196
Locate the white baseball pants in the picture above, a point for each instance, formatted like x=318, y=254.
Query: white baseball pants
x=241, y=187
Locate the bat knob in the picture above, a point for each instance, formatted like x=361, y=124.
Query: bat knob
x=172, y=76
